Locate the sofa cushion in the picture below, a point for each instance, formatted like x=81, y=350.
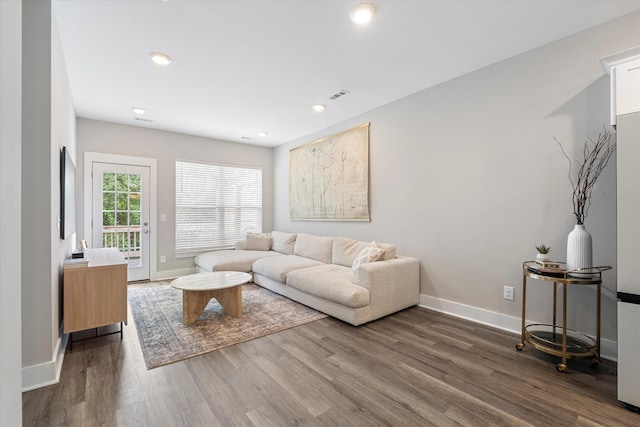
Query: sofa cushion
x=256, y=242
x=314, y=247
x=389, y=250
x=277, y=268
x=332, y=282
x=283, y=242
x=372, y=252
x=230, y=260
x=346, y=250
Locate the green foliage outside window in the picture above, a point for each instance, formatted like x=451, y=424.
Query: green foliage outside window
x=121, y=208
x=109, y=182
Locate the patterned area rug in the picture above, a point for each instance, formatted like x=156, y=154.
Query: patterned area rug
x=157, y=312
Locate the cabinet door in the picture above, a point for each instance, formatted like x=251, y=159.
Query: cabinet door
x=94, y=297
x=628, y=197
x=627, y=81
x=628, y=353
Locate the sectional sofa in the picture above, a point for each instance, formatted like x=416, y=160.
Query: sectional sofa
x=354, y=281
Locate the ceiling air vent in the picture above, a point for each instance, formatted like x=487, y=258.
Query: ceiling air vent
x=338, y=95
x=140, y=119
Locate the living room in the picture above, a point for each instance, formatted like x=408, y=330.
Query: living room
x=453, y=172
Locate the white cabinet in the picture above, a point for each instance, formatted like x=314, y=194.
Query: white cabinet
x=628, y=349
x=624, y=68
x=627, y=78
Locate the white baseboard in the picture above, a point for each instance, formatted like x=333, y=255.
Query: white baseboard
x=608, y=348
x=47, y=373
x=172, y=274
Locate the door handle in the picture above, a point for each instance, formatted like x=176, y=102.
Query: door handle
x=146, y=231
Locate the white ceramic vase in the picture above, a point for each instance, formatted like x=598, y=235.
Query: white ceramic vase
x=579, y=248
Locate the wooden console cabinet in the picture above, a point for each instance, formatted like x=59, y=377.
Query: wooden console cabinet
x=95, y=290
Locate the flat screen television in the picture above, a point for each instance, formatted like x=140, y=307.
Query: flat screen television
x=67, y=195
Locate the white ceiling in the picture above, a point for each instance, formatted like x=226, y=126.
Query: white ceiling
x=241, y=66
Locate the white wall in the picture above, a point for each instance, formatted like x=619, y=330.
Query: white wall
x=166, y=147
x=36, y=178
x=467, y=177
x=48, y=124
x=63, y=134
x=10, y=178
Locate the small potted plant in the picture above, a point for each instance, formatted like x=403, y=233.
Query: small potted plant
x=543, y=252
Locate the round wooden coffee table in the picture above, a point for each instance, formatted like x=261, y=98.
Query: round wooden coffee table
x=198, y=289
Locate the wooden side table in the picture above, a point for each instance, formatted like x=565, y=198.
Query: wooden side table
x=555, y=339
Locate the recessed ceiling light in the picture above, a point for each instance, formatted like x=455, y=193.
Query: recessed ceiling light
x=318, y=107
x=160, y=58
x=262, y=134
x=362, y=13
x=138, y=110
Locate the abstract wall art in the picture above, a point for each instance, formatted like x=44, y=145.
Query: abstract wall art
x=329, y=178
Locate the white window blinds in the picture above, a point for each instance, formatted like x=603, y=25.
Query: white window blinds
x=216, y=205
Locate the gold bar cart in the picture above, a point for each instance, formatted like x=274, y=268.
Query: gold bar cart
x=555, y=339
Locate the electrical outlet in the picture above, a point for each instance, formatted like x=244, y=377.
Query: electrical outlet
x=508, y=293
x=163, y=259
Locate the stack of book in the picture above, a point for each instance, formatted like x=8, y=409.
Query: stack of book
x=547, y=268
x=548, y=264
x=76, y=262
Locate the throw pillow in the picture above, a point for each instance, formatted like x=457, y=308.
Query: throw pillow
x=256, y=242
x=372, y=252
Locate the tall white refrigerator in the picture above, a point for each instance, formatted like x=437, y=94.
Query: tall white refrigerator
x=628, y=177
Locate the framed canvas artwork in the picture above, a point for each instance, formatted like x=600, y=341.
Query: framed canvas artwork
x=329, y=178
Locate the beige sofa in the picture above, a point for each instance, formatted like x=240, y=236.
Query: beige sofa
x=317, y=271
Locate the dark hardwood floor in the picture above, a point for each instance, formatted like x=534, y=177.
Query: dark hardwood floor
x=413, y=368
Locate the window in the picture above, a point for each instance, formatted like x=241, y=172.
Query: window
x=216, y=205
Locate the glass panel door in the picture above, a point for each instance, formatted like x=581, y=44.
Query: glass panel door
x=120, y=214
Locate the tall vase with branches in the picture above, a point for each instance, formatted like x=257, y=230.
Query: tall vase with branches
x=595, y=157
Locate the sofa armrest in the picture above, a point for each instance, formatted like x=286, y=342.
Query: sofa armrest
x=393, y=284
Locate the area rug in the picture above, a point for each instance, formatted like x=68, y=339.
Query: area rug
x=157, y=312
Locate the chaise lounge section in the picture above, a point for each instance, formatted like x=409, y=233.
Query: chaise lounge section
x=354, y=281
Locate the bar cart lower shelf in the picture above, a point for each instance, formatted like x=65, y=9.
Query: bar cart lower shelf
x=546, y=338
x=554, y=339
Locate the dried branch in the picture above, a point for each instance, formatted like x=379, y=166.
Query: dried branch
x=595, y=156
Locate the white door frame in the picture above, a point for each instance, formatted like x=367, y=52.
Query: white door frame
x=89, y=159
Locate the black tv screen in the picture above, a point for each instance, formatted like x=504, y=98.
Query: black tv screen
x=67, y=195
